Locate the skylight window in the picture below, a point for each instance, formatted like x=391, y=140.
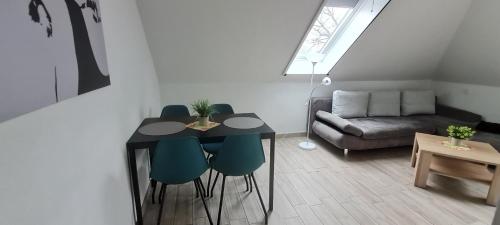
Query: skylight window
x=336, y=27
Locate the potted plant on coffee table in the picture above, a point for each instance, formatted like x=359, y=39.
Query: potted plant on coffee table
x=204, y=109
x=459, y=133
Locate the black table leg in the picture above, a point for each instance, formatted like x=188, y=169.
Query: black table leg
x=271, y=174
x=135, y=184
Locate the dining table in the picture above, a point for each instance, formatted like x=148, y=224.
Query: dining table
x=144, y=140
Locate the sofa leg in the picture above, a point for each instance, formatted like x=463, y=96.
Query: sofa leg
x=346, y=151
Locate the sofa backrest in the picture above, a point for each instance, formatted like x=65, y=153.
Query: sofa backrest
x=356, y=104
x=458, y=114
x=325, y=104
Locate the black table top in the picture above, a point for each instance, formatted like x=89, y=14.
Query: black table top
x=216, y=134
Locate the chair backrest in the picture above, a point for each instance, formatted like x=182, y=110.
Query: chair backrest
x=240, y=155
x=222, y=109
x=174, y=111
x=178, y=160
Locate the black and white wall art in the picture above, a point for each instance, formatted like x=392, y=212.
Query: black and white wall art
x=50, y=50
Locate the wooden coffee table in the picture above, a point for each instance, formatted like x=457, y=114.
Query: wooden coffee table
x=430, y=155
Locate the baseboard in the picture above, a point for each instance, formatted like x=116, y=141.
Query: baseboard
x=289, y=135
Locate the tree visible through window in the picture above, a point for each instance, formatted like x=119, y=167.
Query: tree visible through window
x=337, y=26
x=324, y=29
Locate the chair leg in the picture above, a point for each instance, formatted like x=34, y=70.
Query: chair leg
x=251, y=186
x=199, y=186
x=246, y=182
x=162, y=190
x=153, y=183
x=260, y=198
x=209, y=179
x=162, y=202
x=221, y=198
x=203, y=191
x=213, y=186
x=197, y=192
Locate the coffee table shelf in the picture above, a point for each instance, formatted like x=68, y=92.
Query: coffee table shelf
x=461, y=169
x=429, y=155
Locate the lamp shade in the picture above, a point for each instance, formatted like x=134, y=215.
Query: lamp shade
x=326, y=81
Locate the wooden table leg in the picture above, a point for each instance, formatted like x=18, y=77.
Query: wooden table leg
x=422, y=171
x=494, y=191
x=271, y=173
x=414, y=153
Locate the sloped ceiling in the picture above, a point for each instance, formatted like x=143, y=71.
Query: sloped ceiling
x=405, y=42
x=221, y=40
x=196, y=41
x=474, y=54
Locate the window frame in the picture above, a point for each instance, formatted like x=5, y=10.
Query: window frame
x=335, y=38
x=319, y=10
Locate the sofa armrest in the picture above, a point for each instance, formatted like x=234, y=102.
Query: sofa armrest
x=339, y=123
x=458, y=114
x=317, y=104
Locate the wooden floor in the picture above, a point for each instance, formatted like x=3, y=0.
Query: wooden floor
x=325, y=187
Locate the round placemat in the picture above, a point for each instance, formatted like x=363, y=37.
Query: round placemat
x=243, y=122
x=162, y=128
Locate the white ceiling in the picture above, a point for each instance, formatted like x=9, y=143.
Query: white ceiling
x=406, y=41
x=474, y=54
x=252, y=41
x=220, y=40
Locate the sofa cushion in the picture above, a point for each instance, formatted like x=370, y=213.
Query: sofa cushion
x=339, y=123
x=490, y=138
x=384, y=103
x=346, y=141
x=459, y=114
x=350, y=104
x=418, y=102
x=391, y=127
x=441, y=123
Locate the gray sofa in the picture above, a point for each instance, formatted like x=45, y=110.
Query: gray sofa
x=386, y=132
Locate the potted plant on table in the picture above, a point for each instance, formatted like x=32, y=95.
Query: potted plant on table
x=459, y=133
x=204, y=109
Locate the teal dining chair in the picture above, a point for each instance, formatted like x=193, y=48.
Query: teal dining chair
x=219, y=109
x=213, y=148
x=169, y=111
x=174, y=111
x=222, y=109
x=240, y=155
x=179, y=161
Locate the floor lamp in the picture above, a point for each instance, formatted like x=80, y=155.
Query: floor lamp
x=308, y=145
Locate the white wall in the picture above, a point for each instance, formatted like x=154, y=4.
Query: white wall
x=66, y=164
x=479, y=99
x=469, y=74
x=235, y=51
x=280, y=104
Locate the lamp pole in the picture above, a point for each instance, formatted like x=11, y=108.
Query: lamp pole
x=309, y=103
x=308, y=145
x=312, y=75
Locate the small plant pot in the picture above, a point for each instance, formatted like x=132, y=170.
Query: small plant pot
x=203, y=121
x=455, y=141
